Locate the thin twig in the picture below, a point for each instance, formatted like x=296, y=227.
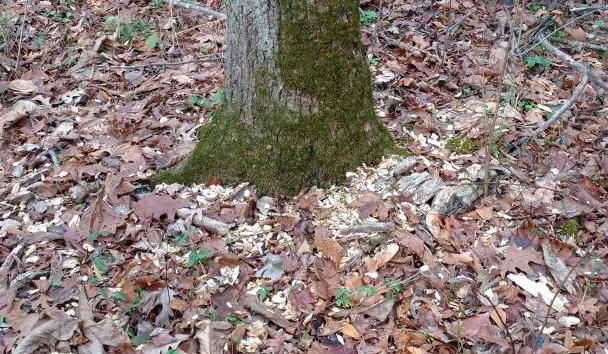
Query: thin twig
x=504, y=325
x=575, y=94
x=21, y=35
x=561, y=284
x=196, y=7
x=573, y=63
x=589, y=8
x=212, y=57
x=376, y=39
x=410, y=48
x=540, y=28
x=491, y=127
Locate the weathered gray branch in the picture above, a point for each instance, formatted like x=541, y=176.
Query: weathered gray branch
x=586, y=71
x=196, y=7
x=575, y=94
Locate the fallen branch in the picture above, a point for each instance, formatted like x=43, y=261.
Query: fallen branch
x=210, y=57
x=255, y=305
x=566, y=106
x=580, y=45
x=589, y=8
x=203, y=221
x=573, y=63
x=371, y=227
x=196, y=7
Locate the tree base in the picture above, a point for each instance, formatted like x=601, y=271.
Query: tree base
x=282, y=155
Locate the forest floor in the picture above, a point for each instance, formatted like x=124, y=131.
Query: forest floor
x=96, y=96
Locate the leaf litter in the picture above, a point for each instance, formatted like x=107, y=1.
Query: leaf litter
x=407, y=256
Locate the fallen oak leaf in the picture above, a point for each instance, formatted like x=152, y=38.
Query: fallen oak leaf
x=517, y=258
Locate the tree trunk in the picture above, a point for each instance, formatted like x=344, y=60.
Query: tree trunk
x=298, y=108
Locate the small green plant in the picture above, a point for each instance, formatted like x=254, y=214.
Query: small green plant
x=100, y=264
x=94, y=236
x=527, y=105
x=558, y=36
x=139, y=340
x=198, y=101
x=571, y=227
x=374, y=61
x=213, y=315
x=120, y=295
x=533, y=61
x=157, y=3
x=467, y=89
x=233, y=319
x=534, y=6
x=598, y=26
x=343, y=297
x=263, y=291
x=56, y=283
x=128, y=31
x=58, y=15
x=366, y=290
x=171, y=351
x=463, y=145
x=394, y=288
x=196, y=256
x=368, y=17
x=2, y=321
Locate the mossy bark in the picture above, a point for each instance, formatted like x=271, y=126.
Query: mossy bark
x=298, y=108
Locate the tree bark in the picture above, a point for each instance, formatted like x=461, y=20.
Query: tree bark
x=298, y=107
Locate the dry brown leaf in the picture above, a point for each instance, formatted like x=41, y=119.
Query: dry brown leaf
x=179, y=304
x=381, y=258
x=517, y=258
x=329, y=247
x=349, y=330
x=577, y=33
x=58, y=328
x=23, y=87
x=152, y=207
x=20, y=109
x=498, y=315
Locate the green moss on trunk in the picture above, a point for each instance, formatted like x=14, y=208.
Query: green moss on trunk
x=320, y=60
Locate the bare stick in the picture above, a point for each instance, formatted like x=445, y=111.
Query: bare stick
x=589, y=8
x=21, y=35
x=492, y=125
x=196, y=7
x=573, y=63
x=210, y=57
x=203, y=221
x=575, y=94
x=376, y=39
x=580, y=45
